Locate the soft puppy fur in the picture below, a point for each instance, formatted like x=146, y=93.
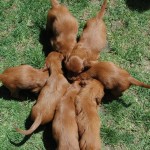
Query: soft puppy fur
x=92, y=41
x=87, y=116
x=23, y=77
x=112, y=77
x=50, y=95
x=62, y=28
x=65, y=130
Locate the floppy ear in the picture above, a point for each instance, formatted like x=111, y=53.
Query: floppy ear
x=86, y=63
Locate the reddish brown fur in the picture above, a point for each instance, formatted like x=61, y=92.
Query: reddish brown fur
x=23, y=77
x=112, y=77
x=50, y=95
x=92, y=41
x=65, y=128
x=62, y=28
x=87, y=115
x=51, y=60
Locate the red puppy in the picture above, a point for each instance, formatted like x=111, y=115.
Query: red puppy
x=112, y=77
x=50, y=95
x=87, y=115
x=23, y=77
x=62, y=28
x=92, y=41
x=65, y=128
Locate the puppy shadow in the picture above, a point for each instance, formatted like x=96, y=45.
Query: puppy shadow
x=44, y=40
x=78, y=38
x=4, y=93
x=24, y=95
x=26, y=138
x=108, y=98
x=48, y=140
x=28, y=124
x=139, y=5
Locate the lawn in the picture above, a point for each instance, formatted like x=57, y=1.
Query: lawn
x=125, y=123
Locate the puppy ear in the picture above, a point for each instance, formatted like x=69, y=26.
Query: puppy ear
x=86, y=63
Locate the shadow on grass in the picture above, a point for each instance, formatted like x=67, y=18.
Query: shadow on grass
x=44, y=40
x=108, y=98
x=25, y=139
x=28, y=124
x=139, y=5
x=4, y=93
x=48, y=140
x=24, y=95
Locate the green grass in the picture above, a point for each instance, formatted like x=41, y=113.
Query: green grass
x=125, y=123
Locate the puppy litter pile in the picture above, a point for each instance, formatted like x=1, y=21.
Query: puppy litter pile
x=70, y=94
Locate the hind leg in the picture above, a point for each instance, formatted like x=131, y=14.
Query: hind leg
x=122, y=86
x=116, y=93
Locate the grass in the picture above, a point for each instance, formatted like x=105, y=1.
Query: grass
x=125, y=123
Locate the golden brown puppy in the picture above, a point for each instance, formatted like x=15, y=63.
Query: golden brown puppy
x=50, y=95
x=87, y=116
x=62, y=28
x=65, y=128
x=92, y=41
x=112, y=77
x=23, y=77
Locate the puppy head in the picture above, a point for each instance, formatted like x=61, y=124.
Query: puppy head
x=53, y=58
x=75, y=64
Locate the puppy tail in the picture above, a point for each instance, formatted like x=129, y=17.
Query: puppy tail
x=138, y=83
x=34, y=126
x=102, y=11
x=54, y=3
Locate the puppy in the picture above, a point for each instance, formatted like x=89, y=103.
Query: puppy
x=62, y=28
x=92, y=41
x=88, y=121
x=112, y=77
x=23, y=77
x=64, y=125
x=50, y=95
